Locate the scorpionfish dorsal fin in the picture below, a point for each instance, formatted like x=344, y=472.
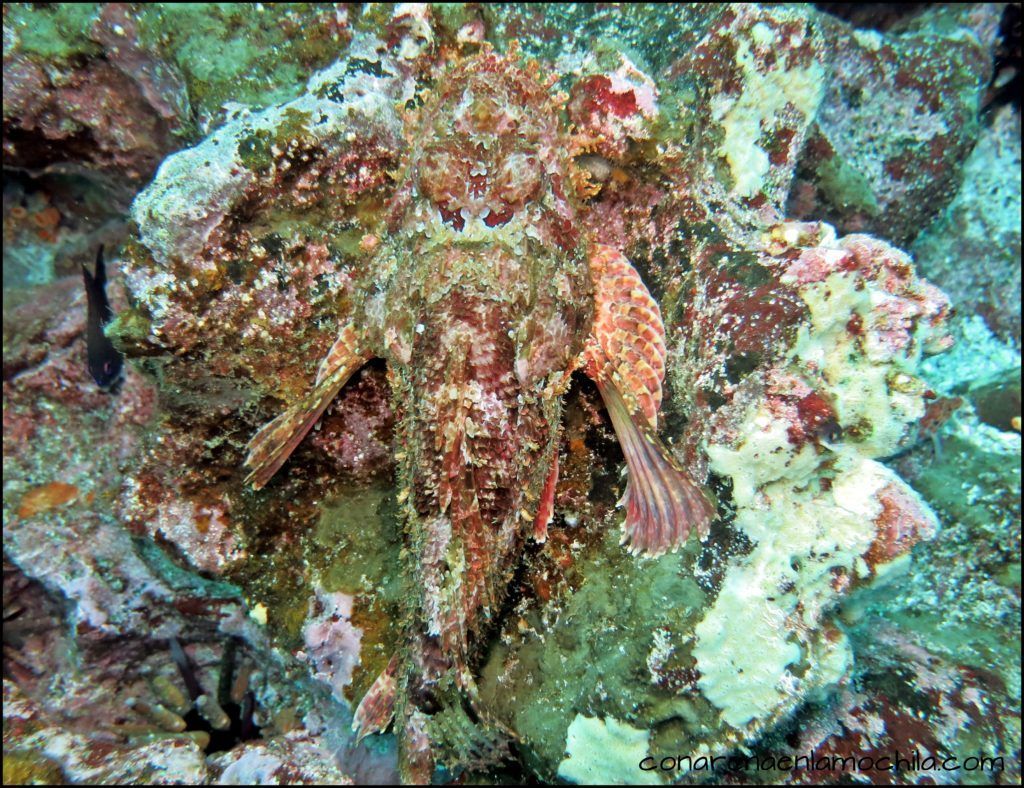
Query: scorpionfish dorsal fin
x=625, y=355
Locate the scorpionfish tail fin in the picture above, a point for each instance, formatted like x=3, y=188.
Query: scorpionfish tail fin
x=274, y=443
x=625, y=355
x=377, y=708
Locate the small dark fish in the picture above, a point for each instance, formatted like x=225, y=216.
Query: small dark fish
x=105, y=362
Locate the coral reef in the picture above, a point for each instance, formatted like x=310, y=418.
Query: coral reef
x=897, y=122
x=96, y=94
x=982, y=224
x=92, y=692
x=858, y=589
x=910, y=709
x=812, y=517
x=116, y=113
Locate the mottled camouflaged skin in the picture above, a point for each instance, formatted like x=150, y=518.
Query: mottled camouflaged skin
x=488, y=303
x=483, y=305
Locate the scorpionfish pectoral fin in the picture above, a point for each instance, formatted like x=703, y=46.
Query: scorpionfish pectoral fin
x=272, y=445
x=377, y=708
x=663, y=504
x=625, y=355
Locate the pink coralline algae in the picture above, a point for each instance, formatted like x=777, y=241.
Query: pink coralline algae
x=370, y=331
x=91, y=691
x=897, y=122
x=910, y=705
x=331, y=641
x=613, y=109
x=794, y=397
x=117, y=115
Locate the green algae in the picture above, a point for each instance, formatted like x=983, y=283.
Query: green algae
x=225, y=51
x=846, y=187
x=293, y=127
x=52, y=31
x=658, y=32
x=356, y=542
x=593, y=658
x=351, y=545
x=130, y=329
x=222, y=48
x=743, y=266
x=260, y=149
x=277, y=579
x=355, y=549
x=30, y=767
x=256, y=151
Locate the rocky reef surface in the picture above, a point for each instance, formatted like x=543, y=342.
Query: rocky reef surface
x=854, y=407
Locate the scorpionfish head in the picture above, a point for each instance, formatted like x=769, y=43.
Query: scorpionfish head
x=488, y=143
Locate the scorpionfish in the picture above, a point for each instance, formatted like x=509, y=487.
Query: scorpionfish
x=488, y=298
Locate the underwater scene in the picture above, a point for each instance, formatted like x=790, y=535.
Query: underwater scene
x=467, y=393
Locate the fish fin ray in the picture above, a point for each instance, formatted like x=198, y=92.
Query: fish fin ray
x=663, y=503
x=270, y=448
x=627, y=340
x=625, y=355
x=343, y=353
x=546, y=510
x=376, y=710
